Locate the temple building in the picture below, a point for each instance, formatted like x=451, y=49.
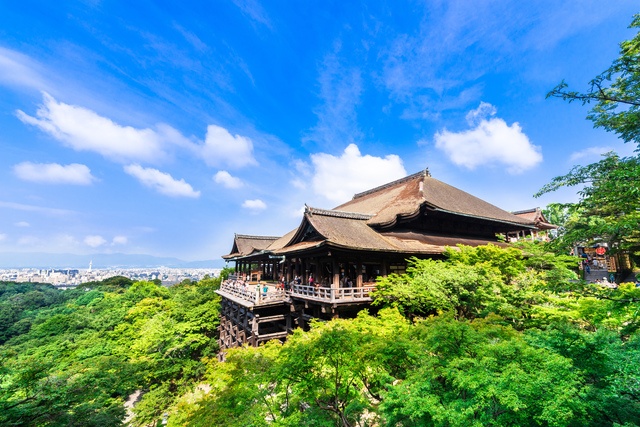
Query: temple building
x=328, y=265
x=542, y=226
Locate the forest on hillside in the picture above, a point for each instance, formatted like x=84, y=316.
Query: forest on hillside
x=73, y=357
x=487, y=337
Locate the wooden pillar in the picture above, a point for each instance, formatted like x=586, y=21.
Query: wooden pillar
x=359, y=276
x=316, y=270
x=335, y=283
x=254, y=330
x=287, y=270
x=304, y=274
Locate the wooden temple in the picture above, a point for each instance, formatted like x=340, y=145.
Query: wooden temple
x=328, y=265
x=539, y=232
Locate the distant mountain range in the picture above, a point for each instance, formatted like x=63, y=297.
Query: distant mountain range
x=115, y=260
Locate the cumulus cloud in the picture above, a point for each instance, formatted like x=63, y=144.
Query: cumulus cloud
x=83, y=130
x=161, y=182
x=255, y=205
x=119, y=240
x=489, y=141
x=54, y=173
x=22, y=224
x=94, y=241
x=222, y=148
x=339, y=178
x=224, y=178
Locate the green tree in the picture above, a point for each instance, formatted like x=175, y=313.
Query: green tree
x=606, y=366
x=473, y=282
x=609, y=207
x=481, y=374
x=85, y=351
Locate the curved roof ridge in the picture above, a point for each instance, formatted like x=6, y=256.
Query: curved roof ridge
x=337, y=214
x=524, y=211
x=422, y=174
x=248, y=236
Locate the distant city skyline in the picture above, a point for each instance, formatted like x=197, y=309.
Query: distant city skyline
x=75, y=277
x=164, y=128
x=99, y=261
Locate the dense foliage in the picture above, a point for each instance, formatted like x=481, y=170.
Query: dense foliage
x=72, y=358
x=486, y=337
x=609, y=207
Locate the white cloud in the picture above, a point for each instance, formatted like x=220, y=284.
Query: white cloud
x=340, y=93
x=254, y=11
x=3, y=237
x=63, y=241
x=225, y=178
x=54, y=173
x=222, y=148
x=255, y=205
x=161, y=182
x=94, y=241
x=302, y=175
x=297, y=213
x=17, y=69
x=592, y=152
x=490, y=141
x=22, y=224
x=119, y=240
x=84, y=130
x=484, y=110
x=299, y=183
x=339, y=178
x=32, y=208
x=29, y=241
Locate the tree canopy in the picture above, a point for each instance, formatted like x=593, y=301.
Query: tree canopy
x=609, y=190
x=609, y=207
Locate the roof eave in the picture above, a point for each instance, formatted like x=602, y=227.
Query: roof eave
x=518, y=224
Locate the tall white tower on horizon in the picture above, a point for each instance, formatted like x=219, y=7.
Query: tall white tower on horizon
x=90, y=264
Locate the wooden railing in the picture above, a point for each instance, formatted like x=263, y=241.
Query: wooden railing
x=256, y=295
x=252, y=293
x=331, y=294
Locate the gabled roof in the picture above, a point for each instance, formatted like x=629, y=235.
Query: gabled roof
x=366, y=223
x=536, y=216
x=350, y=230
x=405, y=197
x=244, y=245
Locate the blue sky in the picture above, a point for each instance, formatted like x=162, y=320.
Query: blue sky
x=164, y=127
